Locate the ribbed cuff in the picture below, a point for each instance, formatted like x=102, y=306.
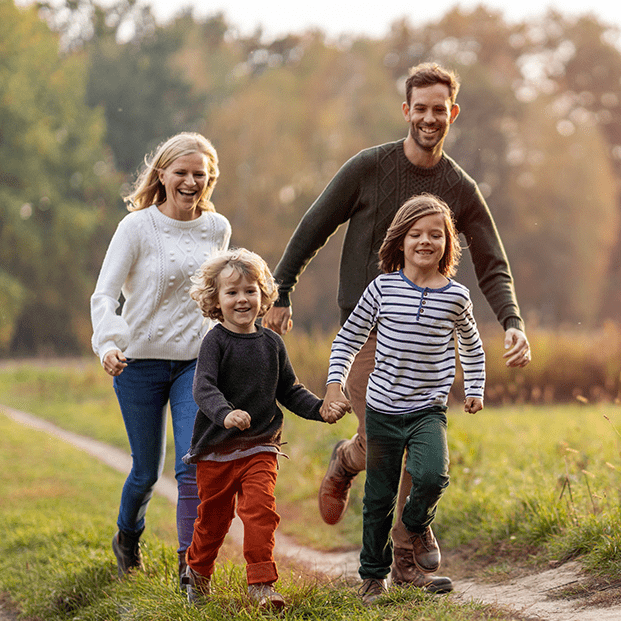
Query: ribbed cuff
x=283, y=299
x=514, y=322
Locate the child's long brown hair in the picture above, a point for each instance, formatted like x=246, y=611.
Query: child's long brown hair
x=391, y=252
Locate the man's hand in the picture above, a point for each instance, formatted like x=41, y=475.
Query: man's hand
x=518, y=348
x=278, y=318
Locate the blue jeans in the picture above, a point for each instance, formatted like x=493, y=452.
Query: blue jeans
x=421, y=435
x=143, y=390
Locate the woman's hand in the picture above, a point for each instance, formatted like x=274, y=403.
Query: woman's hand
x=114, y=362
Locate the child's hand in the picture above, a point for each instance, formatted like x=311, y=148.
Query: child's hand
x=237, y=418
x=335, y=404
x=473, y=405
x=336, y=411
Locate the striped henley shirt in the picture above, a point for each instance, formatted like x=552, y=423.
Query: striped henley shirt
x=415, y=356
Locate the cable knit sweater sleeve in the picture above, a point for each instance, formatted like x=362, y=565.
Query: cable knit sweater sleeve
x=110, y=330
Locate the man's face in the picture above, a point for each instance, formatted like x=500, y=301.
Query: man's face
x=429, y=114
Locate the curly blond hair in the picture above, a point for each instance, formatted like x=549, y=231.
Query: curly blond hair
x=206, y=281
x=149, y=190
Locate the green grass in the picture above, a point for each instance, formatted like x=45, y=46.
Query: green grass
x=535, y=482
x=57, y=513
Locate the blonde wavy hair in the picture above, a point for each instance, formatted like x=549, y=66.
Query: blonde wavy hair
x=206, y=281
x=149, y=190
x=390, y=255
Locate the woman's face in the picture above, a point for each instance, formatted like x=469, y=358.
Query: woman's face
x=185, y=182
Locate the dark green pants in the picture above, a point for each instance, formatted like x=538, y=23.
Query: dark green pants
x=421, y=435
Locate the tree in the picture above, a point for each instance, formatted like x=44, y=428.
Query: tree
x=53, y=179
x=144, y=98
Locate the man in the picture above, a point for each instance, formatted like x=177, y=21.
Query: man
x=366, y=192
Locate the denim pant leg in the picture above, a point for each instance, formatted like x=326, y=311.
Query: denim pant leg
x=142, y=392
x=183, y=412
x=385, y=447
x=427, y=462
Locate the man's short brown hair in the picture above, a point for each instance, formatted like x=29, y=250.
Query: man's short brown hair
x=428, y=74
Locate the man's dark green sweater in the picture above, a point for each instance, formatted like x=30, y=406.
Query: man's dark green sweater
x=367, y=192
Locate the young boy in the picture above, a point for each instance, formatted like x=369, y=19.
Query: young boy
x=242, y=371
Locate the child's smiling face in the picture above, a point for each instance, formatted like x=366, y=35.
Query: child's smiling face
x=424, y=245
x=239, y=299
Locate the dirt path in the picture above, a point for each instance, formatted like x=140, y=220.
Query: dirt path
x=539, y=596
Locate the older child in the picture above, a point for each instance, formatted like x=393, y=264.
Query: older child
x=417, y=309
x=242, y=371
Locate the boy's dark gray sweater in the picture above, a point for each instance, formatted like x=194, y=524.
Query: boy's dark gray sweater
x=248, y=372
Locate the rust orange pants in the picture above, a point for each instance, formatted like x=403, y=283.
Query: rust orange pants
x=248, y=485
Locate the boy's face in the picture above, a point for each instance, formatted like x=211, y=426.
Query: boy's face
x=239, y=299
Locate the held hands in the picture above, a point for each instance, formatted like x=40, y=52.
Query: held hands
x=473, y=405
x=114, y=362
x=518, y=348
x=237, y=418
x=335, y=404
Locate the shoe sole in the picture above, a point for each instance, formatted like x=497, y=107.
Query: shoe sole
x=429, y=588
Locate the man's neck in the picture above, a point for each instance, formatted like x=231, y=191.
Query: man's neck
x=421, y=157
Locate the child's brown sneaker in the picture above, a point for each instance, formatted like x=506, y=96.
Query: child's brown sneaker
x=197, y=587
x=426, y=551
x=265, y=596
x=371, y=590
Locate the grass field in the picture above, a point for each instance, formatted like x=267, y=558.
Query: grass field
x=57, y=513
x=529, y=483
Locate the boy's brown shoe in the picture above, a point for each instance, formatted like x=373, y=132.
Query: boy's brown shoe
x=334, y=489
x=265, y=596
x=426, y=552
x=404, y=572
x=372, y=589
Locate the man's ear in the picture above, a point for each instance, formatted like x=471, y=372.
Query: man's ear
x=406, y=111
x=454, y=113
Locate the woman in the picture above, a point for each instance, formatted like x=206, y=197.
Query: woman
x=150, y=349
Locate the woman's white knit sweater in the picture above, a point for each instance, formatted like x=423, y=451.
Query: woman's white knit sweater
x=150, y=261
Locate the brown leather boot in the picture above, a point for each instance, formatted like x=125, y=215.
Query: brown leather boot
x=426, y=552
x=334, y=489
x=404, y=572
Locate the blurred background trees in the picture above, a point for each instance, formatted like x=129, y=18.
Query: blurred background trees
x=86, y=91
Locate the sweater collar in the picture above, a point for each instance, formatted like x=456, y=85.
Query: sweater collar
x=420, y=170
